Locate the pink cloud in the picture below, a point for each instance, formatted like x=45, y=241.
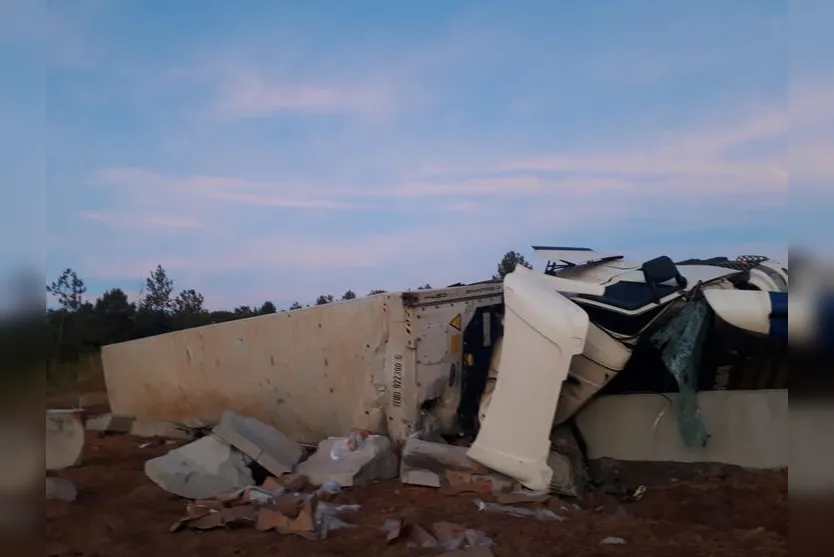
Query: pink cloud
x=201, y=191
x=278, y=201
x=463, y=207
x=289, y=254
x=691, y=164
x=247, y=94
x=142, y=221
x=518, y=185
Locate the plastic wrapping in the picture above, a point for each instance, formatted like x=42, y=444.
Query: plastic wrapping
x=352, y=443
x=327, y=518
x=544, y=515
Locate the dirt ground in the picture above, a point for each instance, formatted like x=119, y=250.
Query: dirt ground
x=120, y=512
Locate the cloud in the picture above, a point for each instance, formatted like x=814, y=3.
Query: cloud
x=251, y=95
x=293, y=159
x=692, y=154
x=200, y=190
x=284, y=253
x=275, y=201
x=685, y=165
x=516, y=186
x=463, y=207
x=145, y=221
x=696, y=166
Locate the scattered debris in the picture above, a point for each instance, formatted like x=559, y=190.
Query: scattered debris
x=328, y=517
x=567, y=478
x=466, y=482
x=636, y=495
x=267, y=446
x=612, y=540
x=163, y=429
x=302, y=524
x=522, y=496
x=289, y=504
x=350, y=444
x=451, y=536
x=446, y=536
x=110, y=423
x=328, y=489
x=567, y=461
x=256, y=494
x=64, y=438
x=394, y=528
x=203, y=469
x=373, y=459
x=420, y=538
x=59, y=488
x=292, y=482
x=544, y=515
x=413, y=534
x=280, y=510
x=207, y=515
x=430, y=464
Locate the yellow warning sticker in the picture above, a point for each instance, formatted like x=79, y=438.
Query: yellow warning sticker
x=456, y=347
x=455, y=322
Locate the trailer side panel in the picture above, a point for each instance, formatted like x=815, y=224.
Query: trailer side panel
x=311, y=373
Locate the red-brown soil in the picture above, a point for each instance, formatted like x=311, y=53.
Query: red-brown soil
x=119, y=512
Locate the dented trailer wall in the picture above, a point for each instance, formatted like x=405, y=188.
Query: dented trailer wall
x=369, y=363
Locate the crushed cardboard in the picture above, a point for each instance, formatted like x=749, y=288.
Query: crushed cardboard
x=458, y=481
x=291, y=482
x=206, y=515
x=270, y=518
x=269, y=507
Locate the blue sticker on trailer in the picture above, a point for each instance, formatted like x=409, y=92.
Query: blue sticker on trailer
x=779, y=314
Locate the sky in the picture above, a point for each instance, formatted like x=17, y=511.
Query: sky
x=273, y=150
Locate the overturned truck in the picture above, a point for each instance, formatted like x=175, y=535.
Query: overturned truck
x=502, y=361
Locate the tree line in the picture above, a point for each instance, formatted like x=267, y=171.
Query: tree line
x=80, y=325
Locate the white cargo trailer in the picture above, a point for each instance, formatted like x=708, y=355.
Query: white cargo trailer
x=377, y=363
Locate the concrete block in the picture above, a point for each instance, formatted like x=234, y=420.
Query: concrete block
x=374, y=459
x=110, y=423
x=426, y=463
x=64, y=438
x=159, y=428
x=751, y=428
x=264, y=444
x=204, y=469
x=59, y=488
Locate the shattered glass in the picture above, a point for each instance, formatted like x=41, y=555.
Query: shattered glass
x=680, y=343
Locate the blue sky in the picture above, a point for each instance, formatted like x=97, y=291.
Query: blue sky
x=277, y=150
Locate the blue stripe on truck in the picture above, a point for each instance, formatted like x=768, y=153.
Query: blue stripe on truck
x=779, y=314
